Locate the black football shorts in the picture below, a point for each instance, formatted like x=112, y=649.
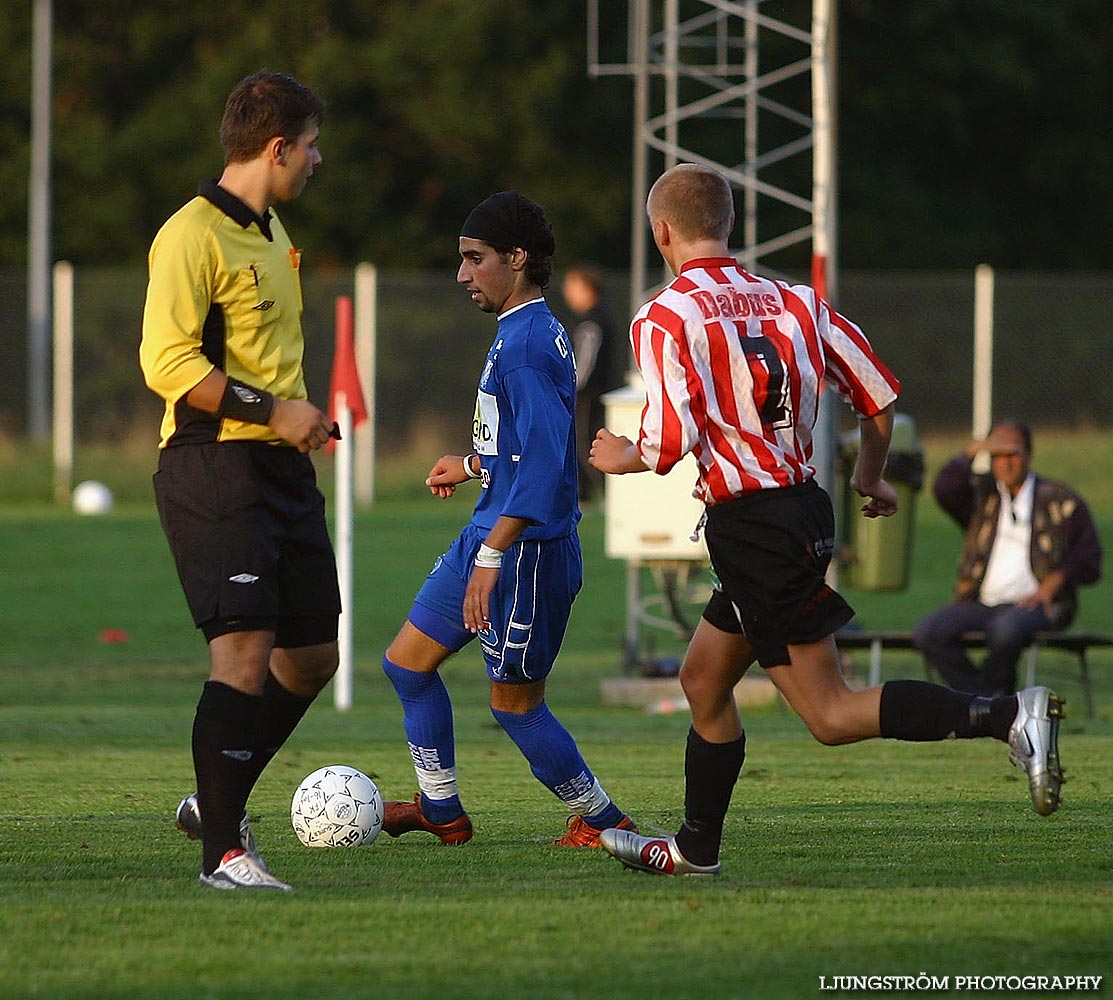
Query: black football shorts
x=770, y=551
x=246, y=527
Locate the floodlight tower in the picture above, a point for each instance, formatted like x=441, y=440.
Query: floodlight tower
x=746, y=87
x=724, y=83
x=711, y=78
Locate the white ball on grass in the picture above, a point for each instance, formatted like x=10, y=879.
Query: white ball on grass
x=91, y=497
x=337, y=806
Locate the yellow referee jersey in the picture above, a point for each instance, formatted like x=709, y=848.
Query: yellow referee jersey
x=224, y=292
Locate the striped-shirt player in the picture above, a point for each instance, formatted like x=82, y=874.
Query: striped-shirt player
x=734, y=365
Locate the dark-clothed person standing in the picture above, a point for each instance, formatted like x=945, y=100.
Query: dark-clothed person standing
x=598, y=364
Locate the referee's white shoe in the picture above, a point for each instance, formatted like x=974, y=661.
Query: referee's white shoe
x=240, y=870
x=1034, y=745
x=651, y=854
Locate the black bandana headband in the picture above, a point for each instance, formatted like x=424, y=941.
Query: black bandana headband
x=507, y=219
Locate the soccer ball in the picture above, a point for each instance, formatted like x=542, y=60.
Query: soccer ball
x=337, y=806
x=91, y=497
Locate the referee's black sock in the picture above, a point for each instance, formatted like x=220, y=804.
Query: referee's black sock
x=280, y=711
x=223, y=731
x=922, y=712
x=710, y=773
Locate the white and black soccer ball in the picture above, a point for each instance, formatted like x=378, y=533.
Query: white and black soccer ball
x=337, y=806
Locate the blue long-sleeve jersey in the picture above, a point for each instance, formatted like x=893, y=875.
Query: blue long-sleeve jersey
x=523, y=430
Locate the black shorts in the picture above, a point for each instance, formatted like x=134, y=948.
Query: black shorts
x=770, y=551
x=246, y=527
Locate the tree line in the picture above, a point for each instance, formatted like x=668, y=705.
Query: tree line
x=968, y=132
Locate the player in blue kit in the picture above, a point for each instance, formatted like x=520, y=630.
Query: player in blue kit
x=512, y=574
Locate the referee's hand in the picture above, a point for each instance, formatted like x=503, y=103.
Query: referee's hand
x=300, y=423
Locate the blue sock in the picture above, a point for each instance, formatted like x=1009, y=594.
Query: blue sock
x=427, y=715
x=556, y=762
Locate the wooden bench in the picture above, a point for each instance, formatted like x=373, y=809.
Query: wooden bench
x=1070, y=642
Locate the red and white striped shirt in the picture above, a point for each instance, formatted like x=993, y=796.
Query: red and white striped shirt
x=733, y=366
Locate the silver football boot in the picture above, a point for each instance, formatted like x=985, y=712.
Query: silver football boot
x=188, y=820
x=1034, y=745
x=650, y=854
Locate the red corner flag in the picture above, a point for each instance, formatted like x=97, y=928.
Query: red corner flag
x=345, y=376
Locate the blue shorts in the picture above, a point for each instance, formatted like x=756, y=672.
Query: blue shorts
x=529, y=607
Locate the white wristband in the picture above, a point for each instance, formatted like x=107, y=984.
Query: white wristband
x=467, y=467
x=488, y=558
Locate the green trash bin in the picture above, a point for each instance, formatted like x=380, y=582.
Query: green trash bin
x=876, y=552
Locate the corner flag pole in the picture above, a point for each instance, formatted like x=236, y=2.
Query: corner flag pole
x=342, y=690
x=347, y=408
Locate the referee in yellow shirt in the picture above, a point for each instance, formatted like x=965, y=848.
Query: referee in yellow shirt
x=236, y=491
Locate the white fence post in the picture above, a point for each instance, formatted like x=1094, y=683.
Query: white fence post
x=63, y=381
x=366, y=308
x=983, y=350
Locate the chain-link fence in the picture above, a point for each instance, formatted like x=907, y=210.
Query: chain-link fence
x=1049, y=332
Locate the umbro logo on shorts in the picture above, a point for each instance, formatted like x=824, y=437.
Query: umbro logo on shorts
x=243, y=578
x=264, y=305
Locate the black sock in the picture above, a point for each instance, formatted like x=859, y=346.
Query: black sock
x=1002, y=714
x=710, y=773
x=280, y=711
x=920, y=712
x=222, y=753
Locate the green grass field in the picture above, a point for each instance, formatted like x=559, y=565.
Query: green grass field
x=875, y=859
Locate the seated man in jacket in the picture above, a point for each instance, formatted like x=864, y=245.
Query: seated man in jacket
x=1030, y=542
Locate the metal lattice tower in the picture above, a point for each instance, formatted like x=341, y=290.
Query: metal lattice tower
x=745, y=87
x=727, y=84
x=732, y=85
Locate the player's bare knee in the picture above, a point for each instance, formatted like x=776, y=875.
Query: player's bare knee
x=327, y=665
x=517, y=699
x=828, y=737
x=705, y=692
x=828, y=729
x=403, y=654
x=321, y=670
x=412, y=649
x=307, y=669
